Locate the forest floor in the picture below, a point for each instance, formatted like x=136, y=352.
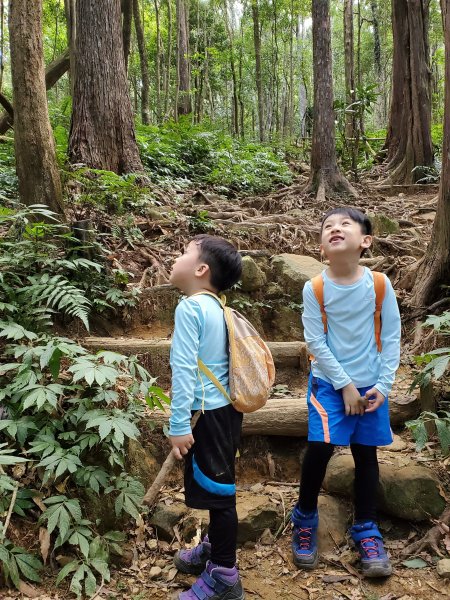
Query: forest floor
x=283, y=221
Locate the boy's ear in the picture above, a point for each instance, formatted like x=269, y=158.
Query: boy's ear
x=322, y=253
x=367, y=241
x=202, y=270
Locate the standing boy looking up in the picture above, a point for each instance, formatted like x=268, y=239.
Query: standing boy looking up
x=351, y=377
x=208, y=266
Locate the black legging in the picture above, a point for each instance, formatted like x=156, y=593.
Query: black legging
x=222, y=533
x=314, y=467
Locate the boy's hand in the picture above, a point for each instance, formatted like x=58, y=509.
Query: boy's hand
x=374, y=398
x=181, y=444
x=354, y=404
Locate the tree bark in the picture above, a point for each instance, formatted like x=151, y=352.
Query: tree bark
x=127, y=13
x=102, y=132
x=54, y=72
x=183, y=103
x=350, y=96
x=408, y=142
x=258, y=72
x=325, y=175
x=168, y=59
x=36, y=166
x=376, y=37
x=434, y=271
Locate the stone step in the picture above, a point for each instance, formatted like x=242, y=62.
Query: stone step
x=286, y=355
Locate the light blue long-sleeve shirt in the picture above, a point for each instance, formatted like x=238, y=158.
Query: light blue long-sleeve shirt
x=348, y=352
x=200, y=332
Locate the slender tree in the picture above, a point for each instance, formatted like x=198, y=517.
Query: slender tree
x=102, y=132
x=434, y=270
x=325, y=175
x=36, y=164
x=258, y=70
x=408, y=143
x=145, y=86
x=183, y=96
x=350, y=96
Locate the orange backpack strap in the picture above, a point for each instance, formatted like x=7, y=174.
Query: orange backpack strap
x=379, y=283
x=317, y=286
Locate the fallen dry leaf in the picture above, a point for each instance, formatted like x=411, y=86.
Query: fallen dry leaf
x=28, y=590
x=44, y=540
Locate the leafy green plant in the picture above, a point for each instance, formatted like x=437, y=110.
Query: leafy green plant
x=441, y=422
x=434, y=364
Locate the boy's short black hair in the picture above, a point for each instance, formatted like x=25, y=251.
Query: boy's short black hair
x=354, y=214
x=222, y=258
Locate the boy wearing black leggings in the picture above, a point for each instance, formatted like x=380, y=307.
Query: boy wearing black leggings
x=208, y=266
x=352, y=328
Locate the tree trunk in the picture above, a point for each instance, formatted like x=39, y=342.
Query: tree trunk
x=325, y=175
x=258, y=73
x=376, y=38
x=127, y=12
x=102, y=132
x=183, y=103
x=434, y=271
x=168, y=59
x=144, y=63
x=350, y=96
x=408, y=142
x=69, y=7
x=36, y=166
x=2, y=42
x=158, y=61
x=53, y=73
x=235, y=104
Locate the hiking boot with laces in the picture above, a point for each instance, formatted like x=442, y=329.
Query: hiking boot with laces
x=193, y=561
x=304, y=538
x=216, y=583
x=368, y=540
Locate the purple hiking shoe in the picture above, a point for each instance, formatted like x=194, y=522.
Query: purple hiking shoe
x=374, y=560
x=216, y=583
x=193, y=561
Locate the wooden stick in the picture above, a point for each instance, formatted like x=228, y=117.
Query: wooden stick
x=167, y=466
x=8, y=516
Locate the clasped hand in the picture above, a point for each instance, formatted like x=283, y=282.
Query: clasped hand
x=355, y=404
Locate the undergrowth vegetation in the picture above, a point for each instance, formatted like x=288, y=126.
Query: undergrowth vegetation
x=66, y=414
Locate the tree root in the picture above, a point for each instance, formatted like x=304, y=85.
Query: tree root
x=430, y=541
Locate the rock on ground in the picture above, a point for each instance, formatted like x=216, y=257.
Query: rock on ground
x=292, y=271
x=333, y=523
x=253, y=277
x=406, y=491
x=443, y=568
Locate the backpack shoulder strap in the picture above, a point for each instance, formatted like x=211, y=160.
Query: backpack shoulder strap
x=379, y=283
x=222, y=299
x=317, y=286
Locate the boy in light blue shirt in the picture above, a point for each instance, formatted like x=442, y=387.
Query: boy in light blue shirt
x=351, y=377
x=208, y=266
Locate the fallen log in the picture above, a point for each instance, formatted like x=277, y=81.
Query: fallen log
x=285, y=354
x=289, y=416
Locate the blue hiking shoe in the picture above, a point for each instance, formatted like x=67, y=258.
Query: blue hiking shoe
x=216, y=583
x=193, y=561
x=304, y=539
x=368, y=541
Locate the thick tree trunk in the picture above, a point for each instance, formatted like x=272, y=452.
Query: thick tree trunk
x=102, y=133
x=36, y=166
x=434, y=271
x=258, y=73
x=325, y=175
x=53, y=73
x=183, y=103
x=408, y=142
x=127, y=13
x=145, y=89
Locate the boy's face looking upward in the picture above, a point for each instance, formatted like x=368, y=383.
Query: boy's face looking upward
x=342, y=236
x=188, y=269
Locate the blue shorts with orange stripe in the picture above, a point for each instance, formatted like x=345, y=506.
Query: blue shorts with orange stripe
x=327, y=421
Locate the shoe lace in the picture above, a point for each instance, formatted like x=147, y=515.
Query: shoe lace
x=304, y=541
x=370, y=547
